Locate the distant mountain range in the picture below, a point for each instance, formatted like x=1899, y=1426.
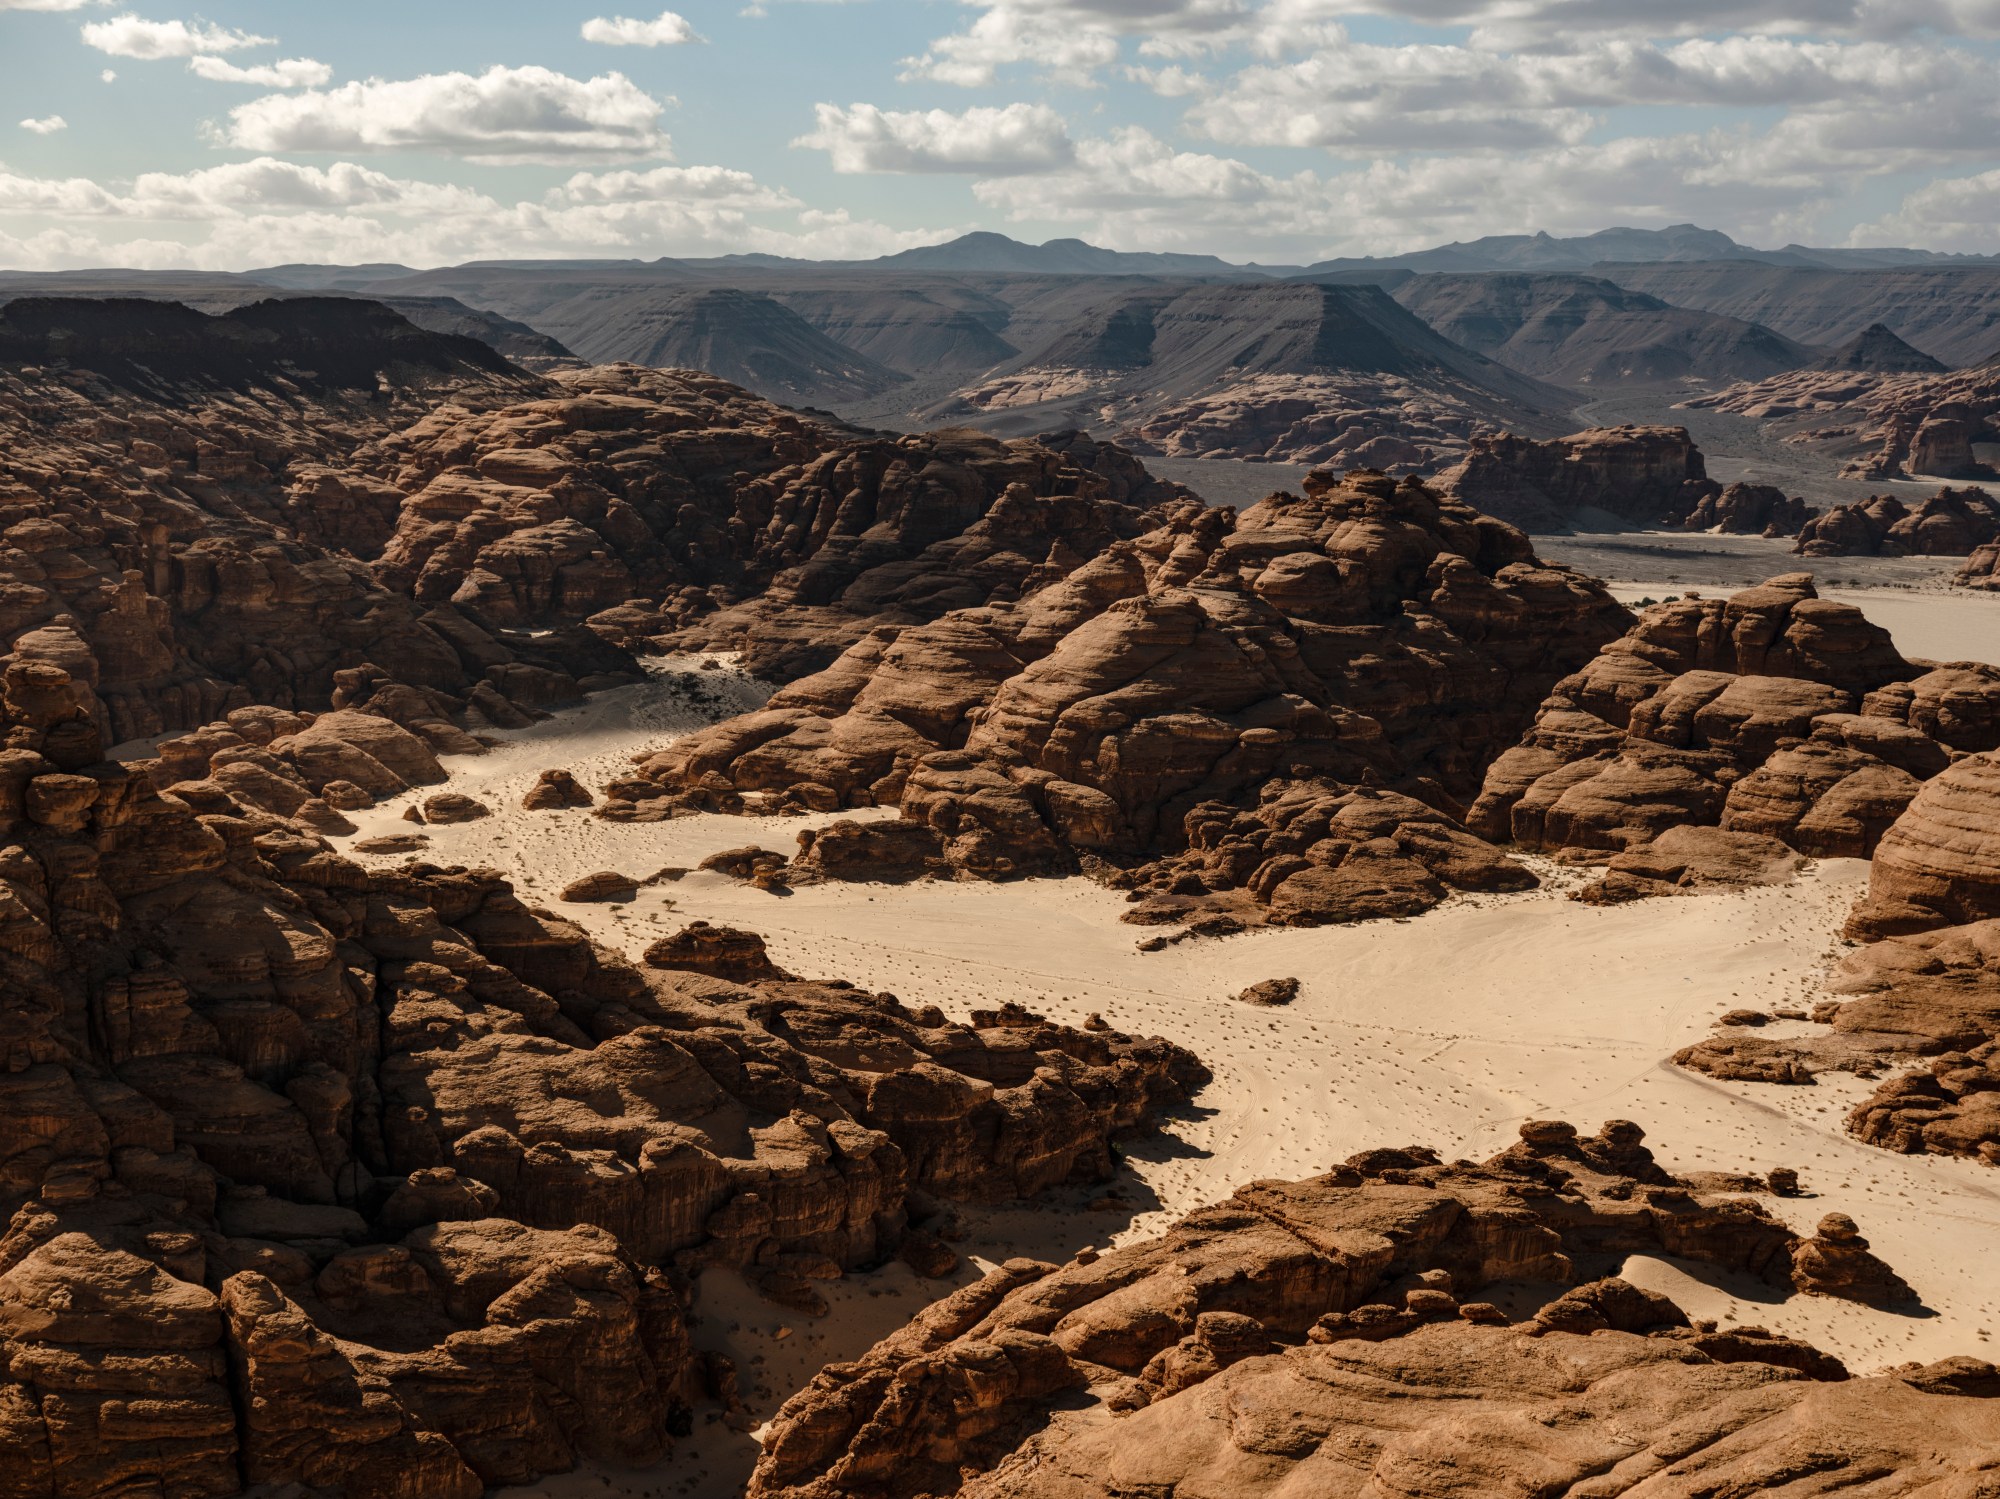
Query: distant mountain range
x=1393, y=359
x=986, y=253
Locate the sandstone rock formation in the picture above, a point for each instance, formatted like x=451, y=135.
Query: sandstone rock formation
x=1895, y=424
x=188, y=512
x=1772, y=712
x=1951, y=523
x=1219, y=708
x=1937, y=865
x=382, y=1182
x=1321, y=1336
x=1746, y=510
x=1924, y=1008
x=1639, y=474
x=673, y=507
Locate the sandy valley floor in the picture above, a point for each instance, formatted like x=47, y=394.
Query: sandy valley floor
x=1447, y=1030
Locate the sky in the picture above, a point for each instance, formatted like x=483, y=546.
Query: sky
x=431, y=132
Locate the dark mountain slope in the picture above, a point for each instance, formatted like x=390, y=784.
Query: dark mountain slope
x=1582, y=330
x=1875, y=348
x=312, y=343
x=1950, y=312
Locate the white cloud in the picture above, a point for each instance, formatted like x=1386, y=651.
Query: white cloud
x=1427, y=96
x=149, y=41
x=268, y=210
x=673, y=184
x=47, y=4
x=46, y=125
x=109, y=75
x=292, y=72
x=668, y=30
x=1953, y=213
x=268, y=184
x=1073, y=40
x=1135, y=191
x=502, y=116
x=1541, y=22
x=984, y=140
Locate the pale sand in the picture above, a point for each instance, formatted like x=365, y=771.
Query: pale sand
x=1447, y=1030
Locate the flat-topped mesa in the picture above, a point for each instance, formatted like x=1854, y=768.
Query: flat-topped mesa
x=381, y=1181
x=1335, y=667
x=1951, y=523
x=1336, y=1323
x=1772, y=712
x=1642, y=475
x=688, y=513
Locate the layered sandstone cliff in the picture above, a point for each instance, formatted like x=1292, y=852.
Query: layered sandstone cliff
x=1641, y=475
x=1951, y=523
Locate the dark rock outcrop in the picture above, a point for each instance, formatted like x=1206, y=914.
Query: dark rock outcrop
x=1746, y=510
x=1638, y=474
x=1951, y=523
x=190, y=508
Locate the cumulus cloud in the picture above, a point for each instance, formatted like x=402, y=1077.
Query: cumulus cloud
x=502, y=116
x=149, y=41
x=46, y=125
x=666, y=30
x=1540, y=22
x=267, y=210
x=292, y=72
x=1132, y=190
x=1425, y=96
x=1074, y=40
x=984, y=140
x=1953, y=213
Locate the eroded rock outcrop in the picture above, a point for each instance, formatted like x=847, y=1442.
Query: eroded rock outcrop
x=383, y=1182
x=1896, y=423
x=1772, y=712
x=674, y=508
x=1745, y=510
x=1924, y=1009
x=173, y=538
x=1288, y=699
x=1951, y=523
x=1278, y=1334
x=1639, y=474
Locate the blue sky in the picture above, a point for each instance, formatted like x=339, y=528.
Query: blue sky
x=432, y=131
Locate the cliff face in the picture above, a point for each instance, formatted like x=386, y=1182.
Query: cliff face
x=1642, y=475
